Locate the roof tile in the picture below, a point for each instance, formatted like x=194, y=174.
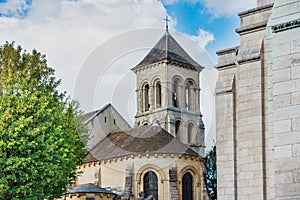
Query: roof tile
x=167, y=48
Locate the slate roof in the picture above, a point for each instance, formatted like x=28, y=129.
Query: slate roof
x=167, y=48
x=89, y=116
x=151, y=139
x=88, y=188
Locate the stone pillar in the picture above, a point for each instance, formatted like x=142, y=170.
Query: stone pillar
x=139, y=100
x=225, y=125
x=168, y=95
x=152, y=97
x=173, y=184
x=180, y=96
x=197, y=93
x=226, y=146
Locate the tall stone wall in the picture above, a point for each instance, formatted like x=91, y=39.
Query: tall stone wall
x=240, y=98
x=226, y=132
x=283, y=53
x=258, y=106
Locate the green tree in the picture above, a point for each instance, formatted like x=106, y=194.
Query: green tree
x=211, y=173
x=40, y=143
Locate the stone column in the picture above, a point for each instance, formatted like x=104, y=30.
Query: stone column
x=139, y=101
x=152, y=97
x=180, y=96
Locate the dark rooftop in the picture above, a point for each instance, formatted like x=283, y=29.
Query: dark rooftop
x=151, y=139
x=88, y=188
x=167, y=48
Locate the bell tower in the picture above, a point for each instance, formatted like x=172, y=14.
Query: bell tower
x=168, y=92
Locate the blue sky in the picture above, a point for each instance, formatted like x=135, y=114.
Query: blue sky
x=190, y=16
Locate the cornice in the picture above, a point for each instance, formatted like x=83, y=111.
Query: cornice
x=142, y=155
x=225, y=66
x=256, y=10
x=227, y=50
x=252, y=27
x=285, y=26
x=169, y=108
x=179, y=64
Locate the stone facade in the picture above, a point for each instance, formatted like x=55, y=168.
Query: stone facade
x=112, y=173
x=163, y=155
x=168, y=92
x=166, y=114
x=102, y=122
x=258, y=106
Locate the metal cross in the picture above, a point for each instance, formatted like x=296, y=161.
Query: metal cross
x=167, y=20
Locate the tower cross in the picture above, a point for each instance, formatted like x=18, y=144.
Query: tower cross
x=167, y=20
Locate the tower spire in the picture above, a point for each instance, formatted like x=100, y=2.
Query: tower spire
x=167, y=31
x=167, y=20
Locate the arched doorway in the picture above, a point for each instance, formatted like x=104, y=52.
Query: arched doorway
x=187, y=187
x=150, y=184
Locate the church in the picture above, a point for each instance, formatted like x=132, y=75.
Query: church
x=162, y=156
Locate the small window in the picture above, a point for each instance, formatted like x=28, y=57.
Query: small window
x=178, y=130
x=146, y=97
x=158, y=95
x=114, y=121
x=190, y=95
x=191, y=133
x=104, y=119
x=175, y=93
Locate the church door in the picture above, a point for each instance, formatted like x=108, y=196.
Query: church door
x=187, y=187
x=150, y=185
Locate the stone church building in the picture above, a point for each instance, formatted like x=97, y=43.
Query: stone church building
x=258, y=106
x=163, y=155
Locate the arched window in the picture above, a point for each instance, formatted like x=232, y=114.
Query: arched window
x=187, y=187
x=158, y=94
x=191, y=133
x=150, y=184
x=190, y=95
x=178, y=130
x=175, y=93
x=146, y=98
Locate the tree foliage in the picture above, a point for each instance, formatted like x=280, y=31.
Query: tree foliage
x=211, y=173
x=40, y=145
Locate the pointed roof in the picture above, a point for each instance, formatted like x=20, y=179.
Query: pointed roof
x=88, y=188
x=167, y=48
x=150, y=139
x=91, y=115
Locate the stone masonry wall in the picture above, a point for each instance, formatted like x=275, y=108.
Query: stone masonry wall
x=283, y=42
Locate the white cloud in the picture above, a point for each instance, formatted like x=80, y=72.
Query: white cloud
x=203, y=38
x=68, y=32
x=220, y=8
